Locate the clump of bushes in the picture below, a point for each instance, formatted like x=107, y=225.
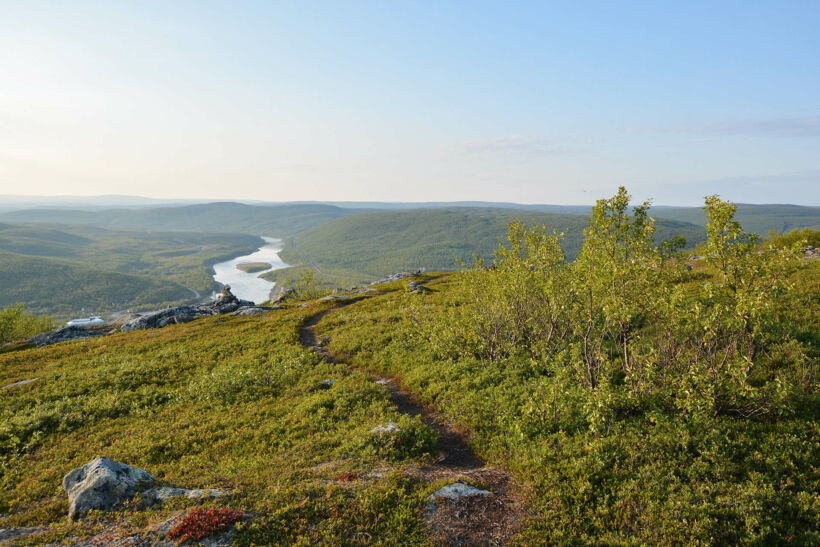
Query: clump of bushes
x=808, y=236
x=201, y=523
x=626, y=325
x=412, y=440
x=16, y=324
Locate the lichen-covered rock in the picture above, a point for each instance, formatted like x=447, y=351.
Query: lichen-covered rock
x=159, y=495
x=278, y=296
x=169, y=316
x=18, y=533
x=103, y=484
x=457, y=491
x=226, y=302
x=64, y=335
x=244, y=312
x=389, y=428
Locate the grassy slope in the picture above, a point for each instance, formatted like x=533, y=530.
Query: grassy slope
x=237, y=403
x=62, y=287
x=274, y=221
x=367, y=246
x=234, y=403
x=653, y=478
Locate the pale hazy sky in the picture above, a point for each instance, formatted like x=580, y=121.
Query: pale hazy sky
x=409, y=101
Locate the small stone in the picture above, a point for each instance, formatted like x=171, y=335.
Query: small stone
x=7, y=534
x=20, y=383
x=389, y=428
x=457, y=491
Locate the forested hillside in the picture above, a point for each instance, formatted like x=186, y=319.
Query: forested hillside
x=61, y=288
x=760, y=219
x=63, y=269
x=273, y=220
x=368, y=246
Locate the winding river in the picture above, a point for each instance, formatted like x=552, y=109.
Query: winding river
x=249, y=286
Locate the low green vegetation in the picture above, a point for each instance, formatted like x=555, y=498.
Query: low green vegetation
x=808, y=235
x=253, y=267
x=17, y=324
x=234, y=403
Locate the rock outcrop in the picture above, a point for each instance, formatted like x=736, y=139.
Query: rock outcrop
x=102, y=484
x=225, y=303
x=244, y=312
x=159, y=495
x=64, y=335
x=396, y=277
x=281, y=295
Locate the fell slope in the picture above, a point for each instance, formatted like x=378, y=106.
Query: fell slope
x=371, y=245
x=240, y=404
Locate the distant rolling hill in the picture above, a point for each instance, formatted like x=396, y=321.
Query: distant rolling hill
x=754, y=218
x=268, y=220
x=61, y=288
x=61, y=269
x=759, y=219
x=369, y=245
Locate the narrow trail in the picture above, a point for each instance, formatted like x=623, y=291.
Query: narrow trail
x=477, y=520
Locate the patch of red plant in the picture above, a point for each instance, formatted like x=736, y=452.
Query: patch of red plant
x=201, y=523
x=346, y=477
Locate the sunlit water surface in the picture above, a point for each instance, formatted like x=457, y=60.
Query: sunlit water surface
x=249, y=286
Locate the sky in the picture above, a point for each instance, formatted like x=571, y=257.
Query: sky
x=528, y=102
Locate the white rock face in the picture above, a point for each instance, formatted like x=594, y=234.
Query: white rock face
x=102, y=484
x=456, y=491
x=388, y=428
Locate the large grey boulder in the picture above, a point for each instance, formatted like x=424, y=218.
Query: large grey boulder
x=169, y=316
x=103, y=484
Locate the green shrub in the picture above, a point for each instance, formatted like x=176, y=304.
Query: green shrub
x=16, y=324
